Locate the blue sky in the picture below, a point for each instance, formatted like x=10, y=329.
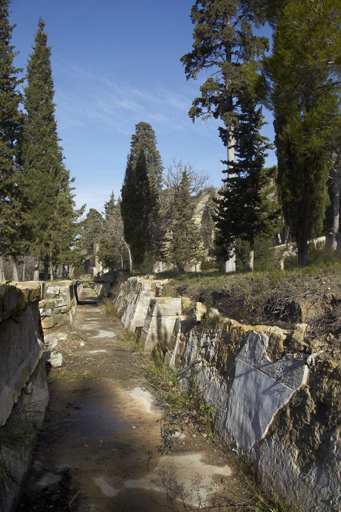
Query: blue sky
x=115, y=64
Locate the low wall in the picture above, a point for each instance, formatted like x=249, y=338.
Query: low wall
x=23, y=385
x=273, y=404
x=59, y=303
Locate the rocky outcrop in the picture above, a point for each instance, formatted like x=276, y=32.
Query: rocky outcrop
x=273, y=404
x=23, y=385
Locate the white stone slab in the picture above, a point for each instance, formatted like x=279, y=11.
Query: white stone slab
x=259, y=390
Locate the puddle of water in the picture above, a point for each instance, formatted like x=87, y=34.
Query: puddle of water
x=95, y=351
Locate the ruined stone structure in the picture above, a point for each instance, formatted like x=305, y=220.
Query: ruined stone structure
x=277, y=407
x=23, y=385
x=28, y=311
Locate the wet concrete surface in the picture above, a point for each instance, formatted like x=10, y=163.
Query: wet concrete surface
x=102, y=433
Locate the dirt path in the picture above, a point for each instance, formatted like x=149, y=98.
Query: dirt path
x=98, y=451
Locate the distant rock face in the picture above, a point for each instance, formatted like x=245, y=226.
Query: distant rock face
x=277, y=407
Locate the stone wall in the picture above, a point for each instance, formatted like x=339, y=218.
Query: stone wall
x=273, y=405
x=23, y=385
x=59, y=304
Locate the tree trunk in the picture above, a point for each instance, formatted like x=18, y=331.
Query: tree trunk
x=36, y=271
x=2, y=273
x=15, y=276
x=302, y=248
x=336, y=171
x=129, y=254
x=50, y=267
x=23, y=275
x=251, y=256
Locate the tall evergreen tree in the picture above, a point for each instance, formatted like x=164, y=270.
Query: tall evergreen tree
x=245, y=208
x=183, y=244
x=10, y=128
x=47, y=183
x=223, y=44
x=135, y=208
x=144, y=138
x=91, y=230
x=114, y=252
x=303, y=76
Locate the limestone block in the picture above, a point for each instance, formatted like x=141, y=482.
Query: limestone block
x=298, y=337
x=199, y=311
x=49, y=322
x=27, y=416
x=139, y=292
x=159, y=324
x=55, y=360
x=33, y=290
x=12, y=301
x=260, y=388
x=21, y=348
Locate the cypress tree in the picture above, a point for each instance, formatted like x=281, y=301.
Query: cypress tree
x=144, y=138
x=10, y=129
x=136, y=207
x=47, y=183
x=303, y=76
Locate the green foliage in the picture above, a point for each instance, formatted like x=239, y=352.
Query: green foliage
x=224, y=44
x=303, y=78
x=113, y=250
x=50, y=220
x=11, y=119
x=264, y=255
x=91, y=229
x=246, y=207
x=144, y=139
x=135, y=207
x=183, y=244
x=182, y=408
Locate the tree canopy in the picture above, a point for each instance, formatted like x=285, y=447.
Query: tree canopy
x=50, y=216
x=224, y=44
x=11, y=119
x=303, y=83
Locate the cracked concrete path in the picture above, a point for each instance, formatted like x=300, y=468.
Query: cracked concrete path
x=98, y=452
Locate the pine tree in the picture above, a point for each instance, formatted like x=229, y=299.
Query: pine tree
x=245, y=208
x=183, y=245
x=224, y=44
x=46, y=181
x=10, y=129
x=114, y=252
x=91, y=231
x=135, y=208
